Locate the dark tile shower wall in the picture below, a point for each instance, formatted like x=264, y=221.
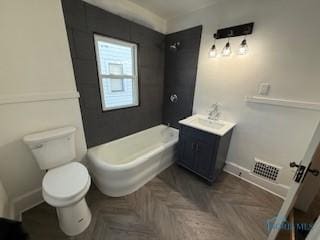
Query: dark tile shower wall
x=82, y=20
x=180, y=74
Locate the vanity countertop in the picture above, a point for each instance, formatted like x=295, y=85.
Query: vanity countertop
x=202, y=122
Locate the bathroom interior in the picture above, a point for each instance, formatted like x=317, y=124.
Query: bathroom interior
x=148, y=119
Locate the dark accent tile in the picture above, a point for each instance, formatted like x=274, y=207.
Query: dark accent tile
x=150, y=56
x=74, y=14
x=186, y=59
x=86, y=72
x=84, y=44
x=91, y=97
x=145, y=36
x=190, y=33
x=151, y=95
x=149, y=76
x=106, y=23
x=183, y=79
x=180, y=74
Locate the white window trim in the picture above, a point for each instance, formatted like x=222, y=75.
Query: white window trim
x=134, y=77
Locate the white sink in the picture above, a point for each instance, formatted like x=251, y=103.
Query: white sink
x=203, y=123
x=208, y=123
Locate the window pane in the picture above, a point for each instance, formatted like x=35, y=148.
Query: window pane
x=113, y=98
x=117, y=68
x=114, y=54
x=116, y=85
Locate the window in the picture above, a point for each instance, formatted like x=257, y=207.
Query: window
x=116, y=85
x=117, y=68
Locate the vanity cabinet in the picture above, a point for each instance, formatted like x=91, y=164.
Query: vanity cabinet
x=203, y=153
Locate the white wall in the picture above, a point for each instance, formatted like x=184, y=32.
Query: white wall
x=283, y=52
x=133, y=12
x=34, y=61
x=4, y=207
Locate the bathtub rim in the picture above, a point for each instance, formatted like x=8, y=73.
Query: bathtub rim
x=93, y=157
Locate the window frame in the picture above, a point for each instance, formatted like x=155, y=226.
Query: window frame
x=134, y=76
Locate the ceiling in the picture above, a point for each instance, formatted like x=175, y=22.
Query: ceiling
x=168, y=9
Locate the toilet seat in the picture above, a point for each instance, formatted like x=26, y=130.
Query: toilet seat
x=65, y=185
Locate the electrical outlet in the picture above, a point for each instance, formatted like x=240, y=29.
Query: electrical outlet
x=264, y=89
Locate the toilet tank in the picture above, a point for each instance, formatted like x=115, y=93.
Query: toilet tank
x=52, y=148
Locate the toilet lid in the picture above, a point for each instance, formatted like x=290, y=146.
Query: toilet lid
x=66, y=181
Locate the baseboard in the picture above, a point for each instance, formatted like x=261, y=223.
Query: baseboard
x=279, y=190
x=26, y=202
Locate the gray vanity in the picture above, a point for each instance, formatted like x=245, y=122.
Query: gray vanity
x=203, y=145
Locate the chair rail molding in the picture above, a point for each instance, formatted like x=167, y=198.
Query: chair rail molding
x=315, y=106
x=38, y=97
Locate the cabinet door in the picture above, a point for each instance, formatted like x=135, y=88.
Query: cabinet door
x=186, y=151
x=204, y=159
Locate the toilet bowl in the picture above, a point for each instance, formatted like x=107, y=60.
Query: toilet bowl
x=66, y=182
x=65, y=187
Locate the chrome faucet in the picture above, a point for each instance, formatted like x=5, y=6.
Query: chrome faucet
x=214, y=113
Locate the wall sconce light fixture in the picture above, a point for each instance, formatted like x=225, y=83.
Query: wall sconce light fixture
x=226, y=51
x=240, y=30
x=244, y=49
x=213, y=53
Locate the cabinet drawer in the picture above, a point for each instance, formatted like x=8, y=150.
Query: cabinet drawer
x=196, y=133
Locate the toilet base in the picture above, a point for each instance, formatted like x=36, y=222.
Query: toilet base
x=74, y=219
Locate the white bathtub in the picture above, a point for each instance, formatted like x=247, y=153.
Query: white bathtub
x=123, y=166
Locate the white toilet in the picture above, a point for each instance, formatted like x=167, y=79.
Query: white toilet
x=66, y=183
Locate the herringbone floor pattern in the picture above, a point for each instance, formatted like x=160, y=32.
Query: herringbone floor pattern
x=175, y=205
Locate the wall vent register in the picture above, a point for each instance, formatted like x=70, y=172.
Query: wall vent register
x=117, y=70
x=266, y=170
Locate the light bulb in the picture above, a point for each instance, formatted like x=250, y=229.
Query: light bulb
x=243, y=50
x=226, y=51
x=213, y=52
